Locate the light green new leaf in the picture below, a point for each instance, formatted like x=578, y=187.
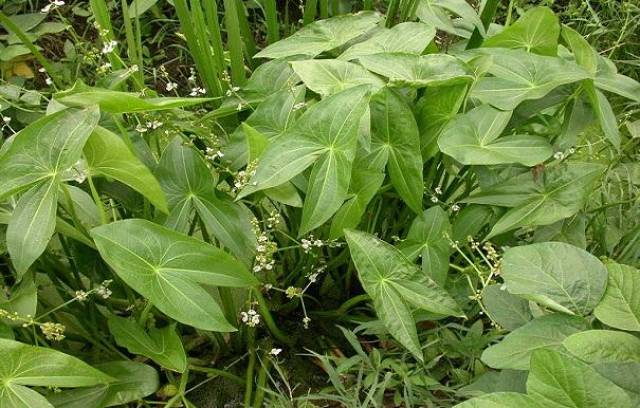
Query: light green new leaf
x=167, y=267
x=434, y=110
x=329, y=126
x=620, y=306
x=507, y=310
x=536, y=31
x=323, y=35
x=394, y=129
x=559, y=381
x=435, y=12
x=132, y=382
x=330, y=76
x=557, y=275
x=121, y=102
x=514, y=351
x=189, y=184
x=519, y=76
x=417, y=71
x=107, y=155
x=163, y=346
x=410, y=38
x=473, y=138
x=604, y=346
x=45, y=148
x=32, y=224
x=501, y=400
x=24, y=365
x=426, y=240
x=394, y=283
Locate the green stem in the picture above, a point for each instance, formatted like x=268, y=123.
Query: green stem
x=268, y=320
x=96, y=198
x=488, y=12
x=248, y=389
x=262, y=382
x=216, y=372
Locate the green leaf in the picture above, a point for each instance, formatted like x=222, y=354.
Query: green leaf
x=163, y=346
x=45, y=148
x=507, y=310
x=501, y=400
x=560, y=381
x=557, y=275
x=394, y=283
x=604, y=112
x=519, y=76
x=167, y=267
x=107, y=155
x=32, y=224
x=110, y=101
x=328, y=129
x=365, y=183
x=329, y=76
x=604, y=346
x=394, y=131
x=473, y=138
x=561, y=193
x=23, y=300
x=514, y=351
x=620, y=306
x=417, y=71
x=426, y=239
x=619, y=84
x=410, y=38
x=323, y=35
x=132, y=381
x=188, y=184
x=536, y=31
x=434, y=110
x=24, y=365
x=434, y=12
x=584, y=54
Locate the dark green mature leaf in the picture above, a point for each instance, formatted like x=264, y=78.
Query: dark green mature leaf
x=536, y=31
x=394, y=283
x=132, y=381
x=559, y=381
x=108, y=155
x=417, y=71
x=394, y=130
x=188, y=185
x=604, y=346
x=557, y=275
x=323, y=35
x=514, y=351
x=32, y=224
x=167, y=268
x=121, y=102
x=620, y=306
x=426, y=240
x=507, y=310
x=45, y=148
x=561, y=192
x=163, y=346
x=501, y=400
x=24, y=365
x=473, y=138
x=434, y=110
x=329, y=76
x=411, y=38
x=519, y=76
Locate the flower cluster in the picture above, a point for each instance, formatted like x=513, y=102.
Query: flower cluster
x=53, y=331
x=103, y=290
x=53, y=4
x=243, y=176
x=251, y=318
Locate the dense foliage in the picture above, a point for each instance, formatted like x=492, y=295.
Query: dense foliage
x=421, y=209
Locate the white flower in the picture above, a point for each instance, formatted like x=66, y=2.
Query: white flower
x=81, y=295
x=53, y=4
x=558, y=155
x=48, y=81
x=171, y=86
x=195, y=91
x=306, y=322
x=108, y=47
x=298, y=106
x=42, y=70
x=438, y=190
x=251, y=318
x=434, y=199
x=141, y=128
x=6, y=119
x=275, y=351
x=455, y=208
